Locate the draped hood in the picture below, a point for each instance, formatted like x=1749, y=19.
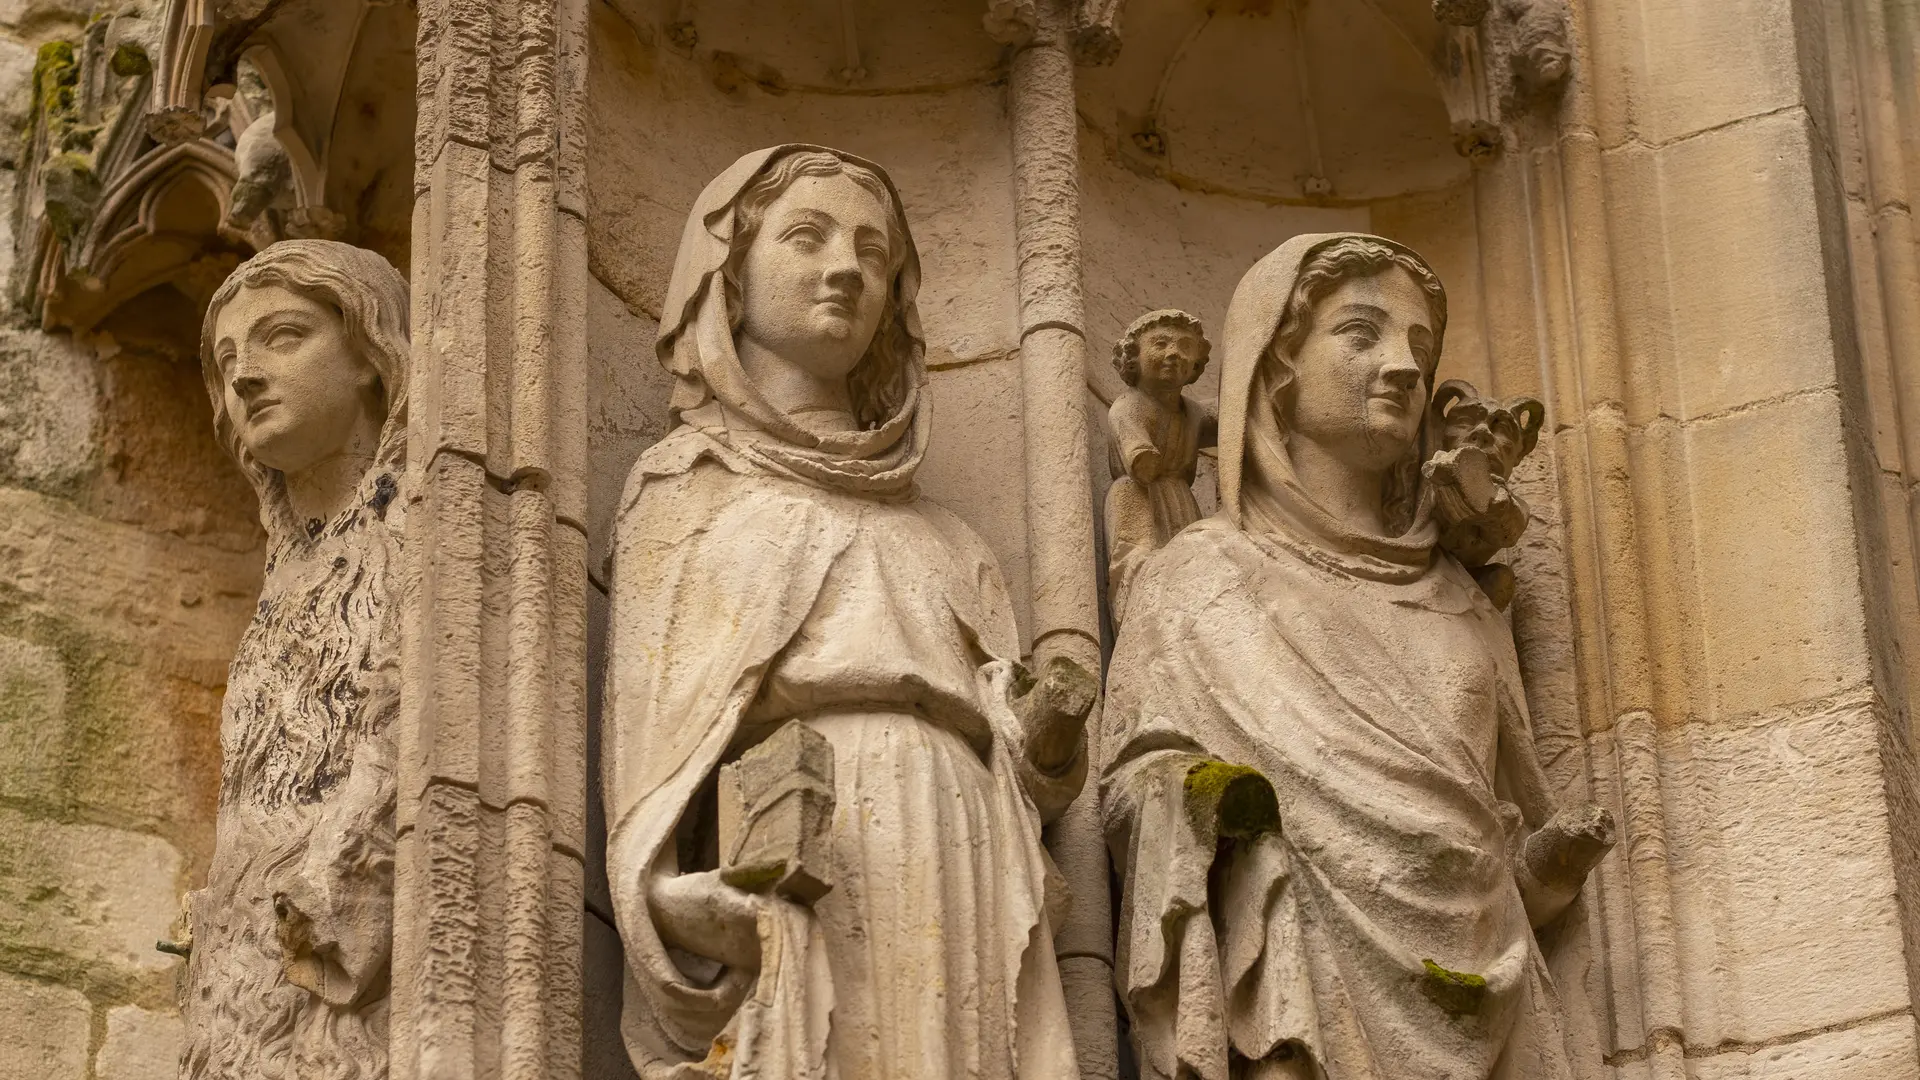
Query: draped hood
x=713, y=394
x=1259, y=492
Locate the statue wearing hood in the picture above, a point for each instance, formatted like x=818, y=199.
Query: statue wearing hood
x=1318, y=780
x=825, y=773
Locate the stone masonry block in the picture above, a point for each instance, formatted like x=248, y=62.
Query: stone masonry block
x=1714, y=63
x=86, y=902
x=1880, y=1050
x=141, y=1044
x=1744, y=196
x=43, y=1030
x=33, y=693
x=1782, y=875
x=1781, y=615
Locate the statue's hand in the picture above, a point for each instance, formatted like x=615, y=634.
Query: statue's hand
x=1557, y=858
x=707, y=917
x=1053, y=711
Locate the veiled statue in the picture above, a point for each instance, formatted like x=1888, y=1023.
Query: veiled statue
x=825, y=773
x=1318, y=778
x=305, y=354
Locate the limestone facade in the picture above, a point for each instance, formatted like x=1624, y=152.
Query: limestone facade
x=1684, y=228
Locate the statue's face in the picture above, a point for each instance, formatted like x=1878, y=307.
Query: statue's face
x=1360, y=377
x=813, y=283
x=296, y=390
x=1489, y=427
x=1169, y=355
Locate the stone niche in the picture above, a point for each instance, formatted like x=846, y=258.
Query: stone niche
x=1216, y=132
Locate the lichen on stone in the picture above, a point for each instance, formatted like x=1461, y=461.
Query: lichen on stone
x=1458, y=993
x=129, y=60
x=1238, y=800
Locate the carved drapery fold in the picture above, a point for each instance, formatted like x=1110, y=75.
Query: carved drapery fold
x=489, y=875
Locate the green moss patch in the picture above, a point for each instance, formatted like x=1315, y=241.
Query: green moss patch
x=129, y=60
x=1237, y=798
x=1458, y=993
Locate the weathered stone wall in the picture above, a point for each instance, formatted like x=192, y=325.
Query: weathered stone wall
x=131, y=559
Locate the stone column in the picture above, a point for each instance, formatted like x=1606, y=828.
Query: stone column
x=1053, y=364
x=488, y=876
x=1715, y=423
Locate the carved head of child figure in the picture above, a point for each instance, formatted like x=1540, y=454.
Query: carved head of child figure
x=1162, y=352
x=304, y=351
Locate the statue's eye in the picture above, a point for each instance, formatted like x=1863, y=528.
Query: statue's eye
x=1360, y=331
x=874, y=251
x=284, y=335
x=806, y=236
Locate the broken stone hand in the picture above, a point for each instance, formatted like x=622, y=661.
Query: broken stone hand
x=1556, y=859
x=1053, y=707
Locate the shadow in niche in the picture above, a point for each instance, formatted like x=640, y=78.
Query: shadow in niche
x=161, y=467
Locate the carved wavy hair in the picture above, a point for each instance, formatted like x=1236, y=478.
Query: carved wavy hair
x=1126, y=351
x=1323, y=271
x=371, y=298
x=878, y=383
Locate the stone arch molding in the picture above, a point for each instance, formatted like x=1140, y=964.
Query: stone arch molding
x=168, y=145
x=1490, y=59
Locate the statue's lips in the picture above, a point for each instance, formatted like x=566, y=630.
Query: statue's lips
x=259, y=408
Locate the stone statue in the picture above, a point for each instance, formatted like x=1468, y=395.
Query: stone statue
x=1480, y=443
x=1318, y=778
x=774, y=570
x=1154, y=440
x=305, y=354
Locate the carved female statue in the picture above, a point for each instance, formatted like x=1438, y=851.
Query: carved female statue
x=1369, y=914
x=304, y=350
x=774, y=571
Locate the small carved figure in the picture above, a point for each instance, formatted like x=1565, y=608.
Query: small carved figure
x=1154, y=438
x=1537, y=51
x=1318, y=779
x=1480, y=444
x=305, y=354
x=792, y=625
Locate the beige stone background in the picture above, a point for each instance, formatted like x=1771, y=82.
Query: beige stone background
x=1700, y=257
x=129, y=562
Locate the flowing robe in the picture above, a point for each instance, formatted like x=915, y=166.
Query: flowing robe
x=744, y=599
x=1385, y=707
x=292, y=934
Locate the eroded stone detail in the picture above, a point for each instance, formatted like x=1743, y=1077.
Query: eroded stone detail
x=773, y=566
x=1319, y=779
x=304, y=350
